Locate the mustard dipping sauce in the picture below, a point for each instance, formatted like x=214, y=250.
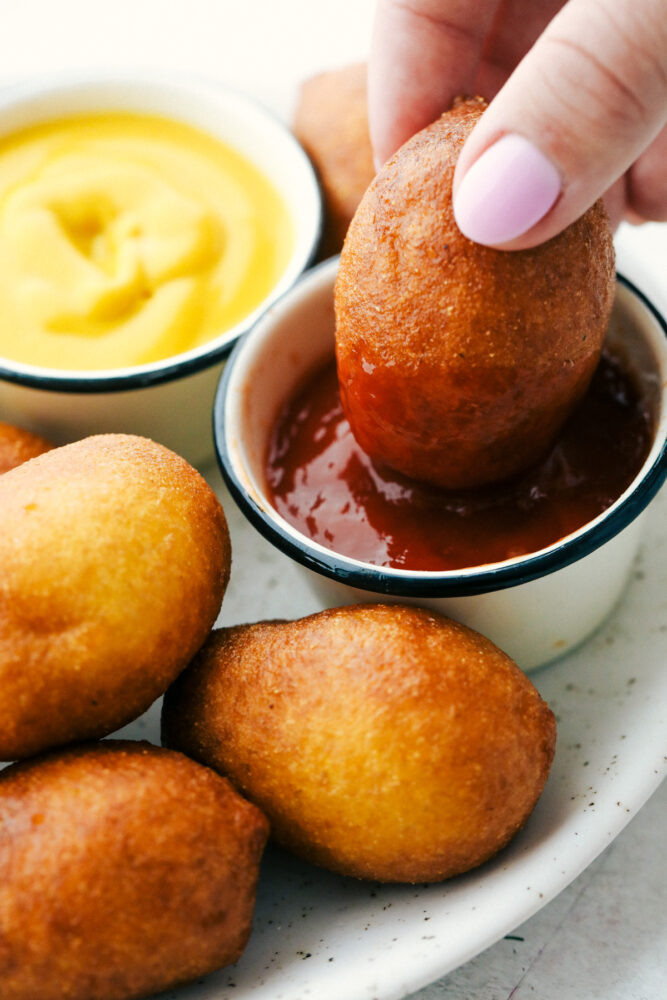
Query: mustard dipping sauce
x=129, y=238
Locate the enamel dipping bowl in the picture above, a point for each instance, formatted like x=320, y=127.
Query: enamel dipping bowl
x=169, y=400
x=536, y=607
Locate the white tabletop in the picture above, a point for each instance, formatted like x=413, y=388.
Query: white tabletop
x=604, y=936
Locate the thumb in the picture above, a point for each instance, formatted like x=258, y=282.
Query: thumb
x=583, y=104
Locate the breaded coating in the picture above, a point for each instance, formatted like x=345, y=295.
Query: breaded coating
x=115, y=556
x=18, y=445
x=331, y=123
x=124, y=869
x=458, y=363
x=383, y=742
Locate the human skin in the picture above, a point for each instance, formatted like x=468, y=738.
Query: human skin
x=585, y=83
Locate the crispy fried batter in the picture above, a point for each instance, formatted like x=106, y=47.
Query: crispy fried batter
x=124, y=869
x=18, y=445
x=383, y=742
x=331, y=123
x=115, y=556
x=459, y=363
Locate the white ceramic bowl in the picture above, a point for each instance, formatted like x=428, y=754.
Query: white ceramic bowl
x=535, y=607
x=171, y=400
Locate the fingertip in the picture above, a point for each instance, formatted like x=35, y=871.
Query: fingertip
x=506, y=192
x=423, y=54
x=383, y=146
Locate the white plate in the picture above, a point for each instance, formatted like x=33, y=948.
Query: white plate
x=318, y=936
x=379, y=939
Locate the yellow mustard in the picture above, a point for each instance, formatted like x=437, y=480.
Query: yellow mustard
x=125, y=239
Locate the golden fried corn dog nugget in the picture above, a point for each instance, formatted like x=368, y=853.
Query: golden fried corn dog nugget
x=124, y=869
x=115, y=556
x=331, y=123
x=18, y=445
x=383, y=742
x=458, y=363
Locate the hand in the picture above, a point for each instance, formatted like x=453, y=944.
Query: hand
x=578, y=106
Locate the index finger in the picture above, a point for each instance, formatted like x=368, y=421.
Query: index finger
x=424, y=54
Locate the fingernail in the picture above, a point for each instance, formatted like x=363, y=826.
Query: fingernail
x=505, y=192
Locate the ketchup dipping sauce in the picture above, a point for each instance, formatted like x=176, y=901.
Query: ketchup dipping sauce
x=321, y=482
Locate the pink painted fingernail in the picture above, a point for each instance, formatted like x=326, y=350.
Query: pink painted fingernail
x=505, y=192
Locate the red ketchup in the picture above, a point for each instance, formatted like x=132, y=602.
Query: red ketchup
x=321, y=481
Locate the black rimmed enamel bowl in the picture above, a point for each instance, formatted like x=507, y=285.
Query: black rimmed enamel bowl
x=536, y=607
x=169, y=400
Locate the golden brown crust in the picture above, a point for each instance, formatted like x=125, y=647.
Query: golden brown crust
x=331, y=123
x=124, y=869
x=383, y=742
x=115, y=557
x=18, y=446
x=458, y=363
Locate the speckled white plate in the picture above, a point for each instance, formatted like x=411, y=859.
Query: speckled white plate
x=322, y=937
x=318, y=937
